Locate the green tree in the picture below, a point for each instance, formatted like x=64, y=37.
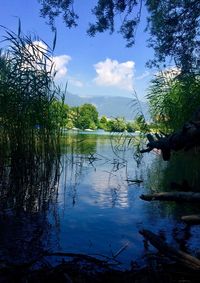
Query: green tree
x=87, y=117
x=90, y=111
x=140, y=124
x=173, y=24
x=103, y=119
x=130, y=126
x=174, y=28
x=74, y=115
x=59, y=113
x=117, y=125
x=103, y=123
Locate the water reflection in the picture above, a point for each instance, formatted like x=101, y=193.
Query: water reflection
x=103, y=164
x=183, y=168
x=82, y=201
x=29, y=187
x=29, y=182
x=180, y=173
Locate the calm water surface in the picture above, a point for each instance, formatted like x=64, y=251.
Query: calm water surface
x=96, y=209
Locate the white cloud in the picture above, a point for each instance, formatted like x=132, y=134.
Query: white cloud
x=75, y=82
x=169, y=73
x=39, y=48
x=142, y=76
x=112, y=73
x=61, y=63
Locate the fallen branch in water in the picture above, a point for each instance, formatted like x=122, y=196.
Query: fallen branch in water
x=187, y=138
x=76, y=255
x=177, y=255
x=104, y=263
x=172, y=196
x=191, y=219
x=123, y=248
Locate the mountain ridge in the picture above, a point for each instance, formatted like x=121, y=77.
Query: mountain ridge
x=111, y=106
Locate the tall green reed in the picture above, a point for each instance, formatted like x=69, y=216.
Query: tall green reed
x=28, y=94
x=30, y=120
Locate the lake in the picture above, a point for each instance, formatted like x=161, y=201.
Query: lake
x=94, y=206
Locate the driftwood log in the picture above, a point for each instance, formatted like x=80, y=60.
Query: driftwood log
x=191, y=219
x=172, y=196
x=184, y=139
x=179, y=256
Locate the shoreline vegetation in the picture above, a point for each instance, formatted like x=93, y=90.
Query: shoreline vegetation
x=86, y=118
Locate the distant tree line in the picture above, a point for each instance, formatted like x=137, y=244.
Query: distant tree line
x=86, y=116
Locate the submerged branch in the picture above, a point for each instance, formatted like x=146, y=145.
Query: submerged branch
x=191, y=219
x=79, y=256
x=179, y=256
x=172, y=196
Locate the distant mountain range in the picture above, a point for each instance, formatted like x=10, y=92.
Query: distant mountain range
x=112, y=107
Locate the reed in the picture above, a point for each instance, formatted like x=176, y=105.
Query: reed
x=30, y=121
x=29, y=118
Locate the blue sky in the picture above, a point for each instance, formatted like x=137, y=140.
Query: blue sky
x=92, y=66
